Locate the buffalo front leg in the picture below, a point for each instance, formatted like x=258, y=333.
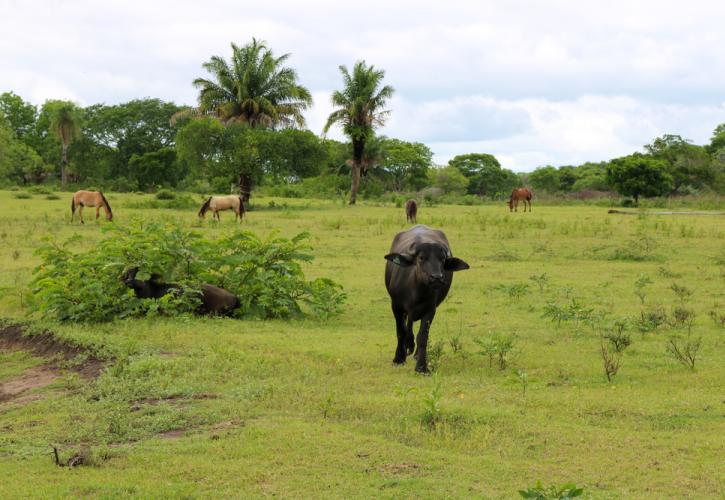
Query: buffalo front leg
x=409, y=338
x=401, y=332
x=421, y=365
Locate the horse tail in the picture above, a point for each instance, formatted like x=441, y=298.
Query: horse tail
x=241, y=208
x=73, y=205
x=108, y=205
x=204, y=207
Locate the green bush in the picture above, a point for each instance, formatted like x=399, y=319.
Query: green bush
x=266, y=274
x=22, y=196
x=165, y=194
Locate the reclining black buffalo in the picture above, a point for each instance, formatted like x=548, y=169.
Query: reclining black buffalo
x=214, y=300
x=418, y=275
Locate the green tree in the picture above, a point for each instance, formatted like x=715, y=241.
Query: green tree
x=359, y=108
x=65, y=118
x=545, y=179
x=639, y=175
x=688, y=164
x=406, y=163
x=717, y=142
x=157, y=168
x=449, y=179
x=485, y=175
x=253, y=88
x=591, y=176
x=19, y=115
x=19, y=163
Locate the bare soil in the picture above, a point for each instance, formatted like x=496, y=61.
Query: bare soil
x=59, y=354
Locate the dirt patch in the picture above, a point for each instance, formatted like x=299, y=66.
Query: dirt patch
x=402, y=469
x=60, y=356
x=32, y=378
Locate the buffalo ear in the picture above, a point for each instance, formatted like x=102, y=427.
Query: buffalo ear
x=399, y=259
x=455, y=264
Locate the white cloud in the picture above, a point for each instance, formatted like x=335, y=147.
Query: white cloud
x=532, y=82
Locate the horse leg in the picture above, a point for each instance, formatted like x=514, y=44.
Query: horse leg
x=80, y=214
x=98, y=211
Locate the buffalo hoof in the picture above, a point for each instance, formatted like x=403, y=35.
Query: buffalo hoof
x=423, y=370
x=398, y=362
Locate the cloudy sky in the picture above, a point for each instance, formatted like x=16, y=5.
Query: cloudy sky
x=532, y=82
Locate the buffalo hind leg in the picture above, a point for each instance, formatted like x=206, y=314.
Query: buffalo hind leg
x=401, y=331
x=421, y=365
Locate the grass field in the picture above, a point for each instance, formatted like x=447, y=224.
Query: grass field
x=220, y=407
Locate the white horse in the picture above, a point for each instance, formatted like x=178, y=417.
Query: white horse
x=217, y=203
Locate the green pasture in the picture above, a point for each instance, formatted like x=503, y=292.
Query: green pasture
x=208, y=407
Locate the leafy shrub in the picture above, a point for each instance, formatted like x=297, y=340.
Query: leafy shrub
x=40, y=190
x=497, y=348
x=552, y=492
x=684, y=349
x=52, y=196
x=165, y=194
x=22, y=196
x=266, y=275
x=432, y=412
x=178, y=202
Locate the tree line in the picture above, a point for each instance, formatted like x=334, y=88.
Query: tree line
x=248, y=131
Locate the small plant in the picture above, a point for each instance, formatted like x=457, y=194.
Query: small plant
x=16, y=254
x=640, y=287
x=523, y=379
x=497, y=348
x=456, y=343
x=574, y=311
x=504, y=255
x=435, y=355
x=52, y=197
x=22, y=196
x=665, y=272
x=718, y=317
x=651, y=319
x=515, y=291
x=618, y=338
x=611, y=358
x=542, y=280
x=682, y=317
x=682, y=292
x=432, y=413
x=684, y=349
x=552, y=492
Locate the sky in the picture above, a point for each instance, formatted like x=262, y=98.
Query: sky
x=534, y=83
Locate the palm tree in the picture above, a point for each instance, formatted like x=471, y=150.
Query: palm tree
x=253, y=88
x=65, y=125
x=359, y=109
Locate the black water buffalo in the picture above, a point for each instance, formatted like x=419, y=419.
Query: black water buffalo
x=214, y=300
x=418, y=275
x=411, y=211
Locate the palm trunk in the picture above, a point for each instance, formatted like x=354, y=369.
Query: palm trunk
x=355, y=182
x=64, y=167
x=358, y=146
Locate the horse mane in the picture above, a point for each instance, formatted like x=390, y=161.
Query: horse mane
x=205, y=207
x=105, y=201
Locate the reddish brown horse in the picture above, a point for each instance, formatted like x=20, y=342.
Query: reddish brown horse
x=518, y=194
x=411, y=211
x=89, y=199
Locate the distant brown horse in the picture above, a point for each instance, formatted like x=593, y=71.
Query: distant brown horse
x=411, y=211
x=89, y=199
x=517, y=194
x=217, y=203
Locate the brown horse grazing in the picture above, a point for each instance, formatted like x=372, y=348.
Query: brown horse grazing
x=411, y=211
x=517, y=194
x=89, y=199
x=217, y=203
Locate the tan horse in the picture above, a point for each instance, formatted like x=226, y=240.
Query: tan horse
x=217, y=203
x=411, y=211
x=89, y=199
x=517, y=194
